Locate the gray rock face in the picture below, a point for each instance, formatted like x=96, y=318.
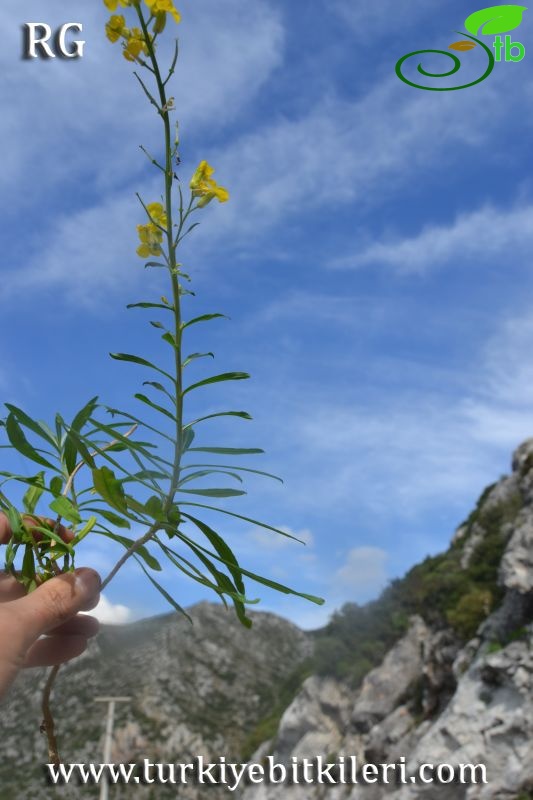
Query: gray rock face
x=384, y=687
x=432, y=701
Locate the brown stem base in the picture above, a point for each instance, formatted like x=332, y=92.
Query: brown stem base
x=48, y=725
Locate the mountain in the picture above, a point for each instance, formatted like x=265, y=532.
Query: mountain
x=438, y=670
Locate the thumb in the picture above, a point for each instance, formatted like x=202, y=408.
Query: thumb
x=55, y=602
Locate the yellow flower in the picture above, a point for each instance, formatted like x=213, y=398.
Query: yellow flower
x=163, y=5
x=157, y=213
x=134, y=45
x=116, y=27
x=111, y=5
x=150, y=237
x=203, y=186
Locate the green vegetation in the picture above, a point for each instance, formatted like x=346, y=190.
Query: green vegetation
x=285, y=693
x=439, y=589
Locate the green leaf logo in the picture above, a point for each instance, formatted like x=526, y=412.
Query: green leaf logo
x=496, y=19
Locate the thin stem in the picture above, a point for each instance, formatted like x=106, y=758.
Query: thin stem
x=48, y=726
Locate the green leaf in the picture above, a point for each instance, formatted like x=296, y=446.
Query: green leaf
x=241, y=414
x=154, y=507
x=18, y=440
x=495, y=19
x=170, y=339
x=70, y=451
x=87, y=528
x=214, y=492
x=156, y=324
x=223, y=550
x=146, y=400
x=164, y=592
x=65, y=508
x=78, y=445
x=56, y=485
x=232, y=466
x=114, y=519
x=110, y=488
x=202, y=318
x=224, y=376
x=187, y=439
x=227, y=451
x=39, y=428
x=205, y=473
x=160, y=388
x=150, y=305
x=246, y=519
x=33, y=495
x=194, y=356
x=143, y=362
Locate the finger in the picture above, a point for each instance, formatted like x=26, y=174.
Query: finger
x=80, y=625
x=31, y=522
x=55, y=602
x=5, y=530
x=10, y=588
x=54, y=650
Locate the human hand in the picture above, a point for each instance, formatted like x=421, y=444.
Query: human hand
x=50, y=611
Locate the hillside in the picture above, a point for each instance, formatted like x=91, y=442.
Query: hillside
x=438, y=669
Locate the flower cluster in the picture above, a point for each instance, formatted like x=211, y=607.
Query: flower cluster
x=203, y=186
x=151, y=234
x=134, y=40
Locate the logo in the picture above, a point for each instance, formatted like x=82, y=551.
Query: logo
x=493, y=21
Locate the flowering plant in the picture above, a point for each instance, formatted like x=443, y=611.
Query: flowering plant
x=100, y=473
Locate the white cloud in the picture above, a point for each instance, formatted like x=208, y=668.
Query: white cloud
x=269, y=541
x=480, y=235
x=110, y=613
x=363, y=574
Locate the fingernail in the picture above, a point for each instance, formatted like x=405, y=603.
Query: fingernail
x=87, y=581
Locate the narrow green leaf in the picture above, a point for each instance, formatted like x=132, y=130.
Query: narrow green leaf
x=194, y=356
x=18, y=440
x=156, y=324
x=232, y=466
x=228, y=451
x=164, y=592
x=214, y=492
x=245, y=519
x=39, y=428
x=202, y=318
x=110, y=488
x=114, y=519
x=241, y=414
x=169, y=338
x=70, y=451
x=87, y=528
x=205, y=473
x=34, y=493
x=150, y=305
x=146, y=400
x=224, y=376
x=65, y=508
x=223, y=550
x=143, y=362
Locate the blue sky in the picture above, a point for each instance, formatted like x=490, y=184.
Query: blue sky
x=373, y=258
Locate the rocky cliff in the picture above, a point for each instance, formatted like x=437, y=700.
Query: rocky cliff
x=438, y=670
x=437, y=698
